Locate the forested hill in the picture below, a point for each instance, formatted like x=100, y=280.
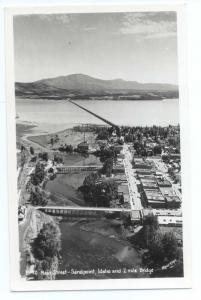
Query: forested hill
x=86, y=87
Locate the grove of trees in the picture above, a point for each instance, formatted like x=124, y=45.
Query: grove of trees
x=44, y=156
x=39, y=174
x=46, y=247
x=98, y=194
x=107, y=167
x=38, y=197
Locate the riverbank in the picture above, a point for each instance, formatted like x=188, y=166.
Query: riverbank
x=28, y=230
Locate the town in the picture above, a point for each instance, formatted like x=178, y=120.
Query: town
x=138, y=177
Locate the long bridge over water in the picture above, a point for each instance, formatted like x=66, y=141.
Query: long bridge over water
x=97, y=116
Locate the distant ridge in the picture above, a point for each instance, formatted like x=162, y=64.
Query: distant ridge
x=81, y=84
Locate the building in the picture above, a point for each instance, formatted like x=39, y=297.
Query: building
x=173, y=202
x=149, y=184
x=169, y=221
x=144, y=172
x=148, y=177
x=175, y=156
x=119, y=178
x=167, y=191
x=118, y=167
x=118, y=148
x=123, y=191
x=83, y=147
x=141, y=164
x=136, y=216
x=154, y=198
x=163, y=182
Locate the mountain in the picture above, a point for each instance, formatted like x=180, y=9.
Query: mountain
x=83, y=85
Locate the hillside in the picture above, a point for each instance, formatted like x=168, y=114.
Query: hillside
x=86, y=87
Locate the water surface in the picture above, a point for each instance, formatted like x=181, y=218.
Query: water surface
x=54, y=115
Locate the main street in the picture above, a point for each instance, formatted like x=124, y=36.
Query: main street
x=135, y=200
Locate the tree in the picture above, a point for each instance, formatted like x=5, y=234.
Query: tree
x=46, y=247
x=157, y=150
x=107, y=153
x=162, y=249
x=170, y=245
x=43, y=156
x=38, y=197
x=98, y=194
x=52, y=141
x=58, y=159
x=38, y=176
x=23, y=158
x=103, y=134
x=156, y=250
x=107, y=167
x=32, y=150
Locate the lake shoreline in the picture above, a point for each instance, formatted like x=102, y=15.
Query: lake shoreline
x=56, y=115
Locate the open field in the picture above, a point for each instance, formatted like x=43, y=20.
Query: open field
x=68, y=136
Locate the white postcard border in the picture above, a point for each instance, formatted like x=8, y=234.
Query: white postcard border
x=19, y=284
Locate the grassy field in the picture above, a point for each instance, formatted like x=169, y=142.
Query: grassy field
x=68, y=136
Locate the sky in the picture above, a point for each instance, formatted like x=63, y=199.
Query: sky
x=138, y=46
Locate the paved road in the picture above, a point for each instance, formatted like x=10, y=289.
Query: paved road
x=135, y=200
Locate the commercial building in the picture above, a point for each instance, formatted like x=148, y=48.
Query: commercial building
x=163, y=183
x=173, y=202
x=154, y=198
x=169, y=221
x=141, y=164
x=118, y=168
x=136, y=216
x=119, y=178
x=144, y=172
x=123, y=192
x=149, y=184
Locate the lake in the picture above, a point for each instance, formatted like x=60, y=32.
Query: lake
x=54, y=115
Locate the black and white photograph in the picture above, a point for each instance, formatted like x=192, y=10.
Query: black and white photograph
x=97, y=138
